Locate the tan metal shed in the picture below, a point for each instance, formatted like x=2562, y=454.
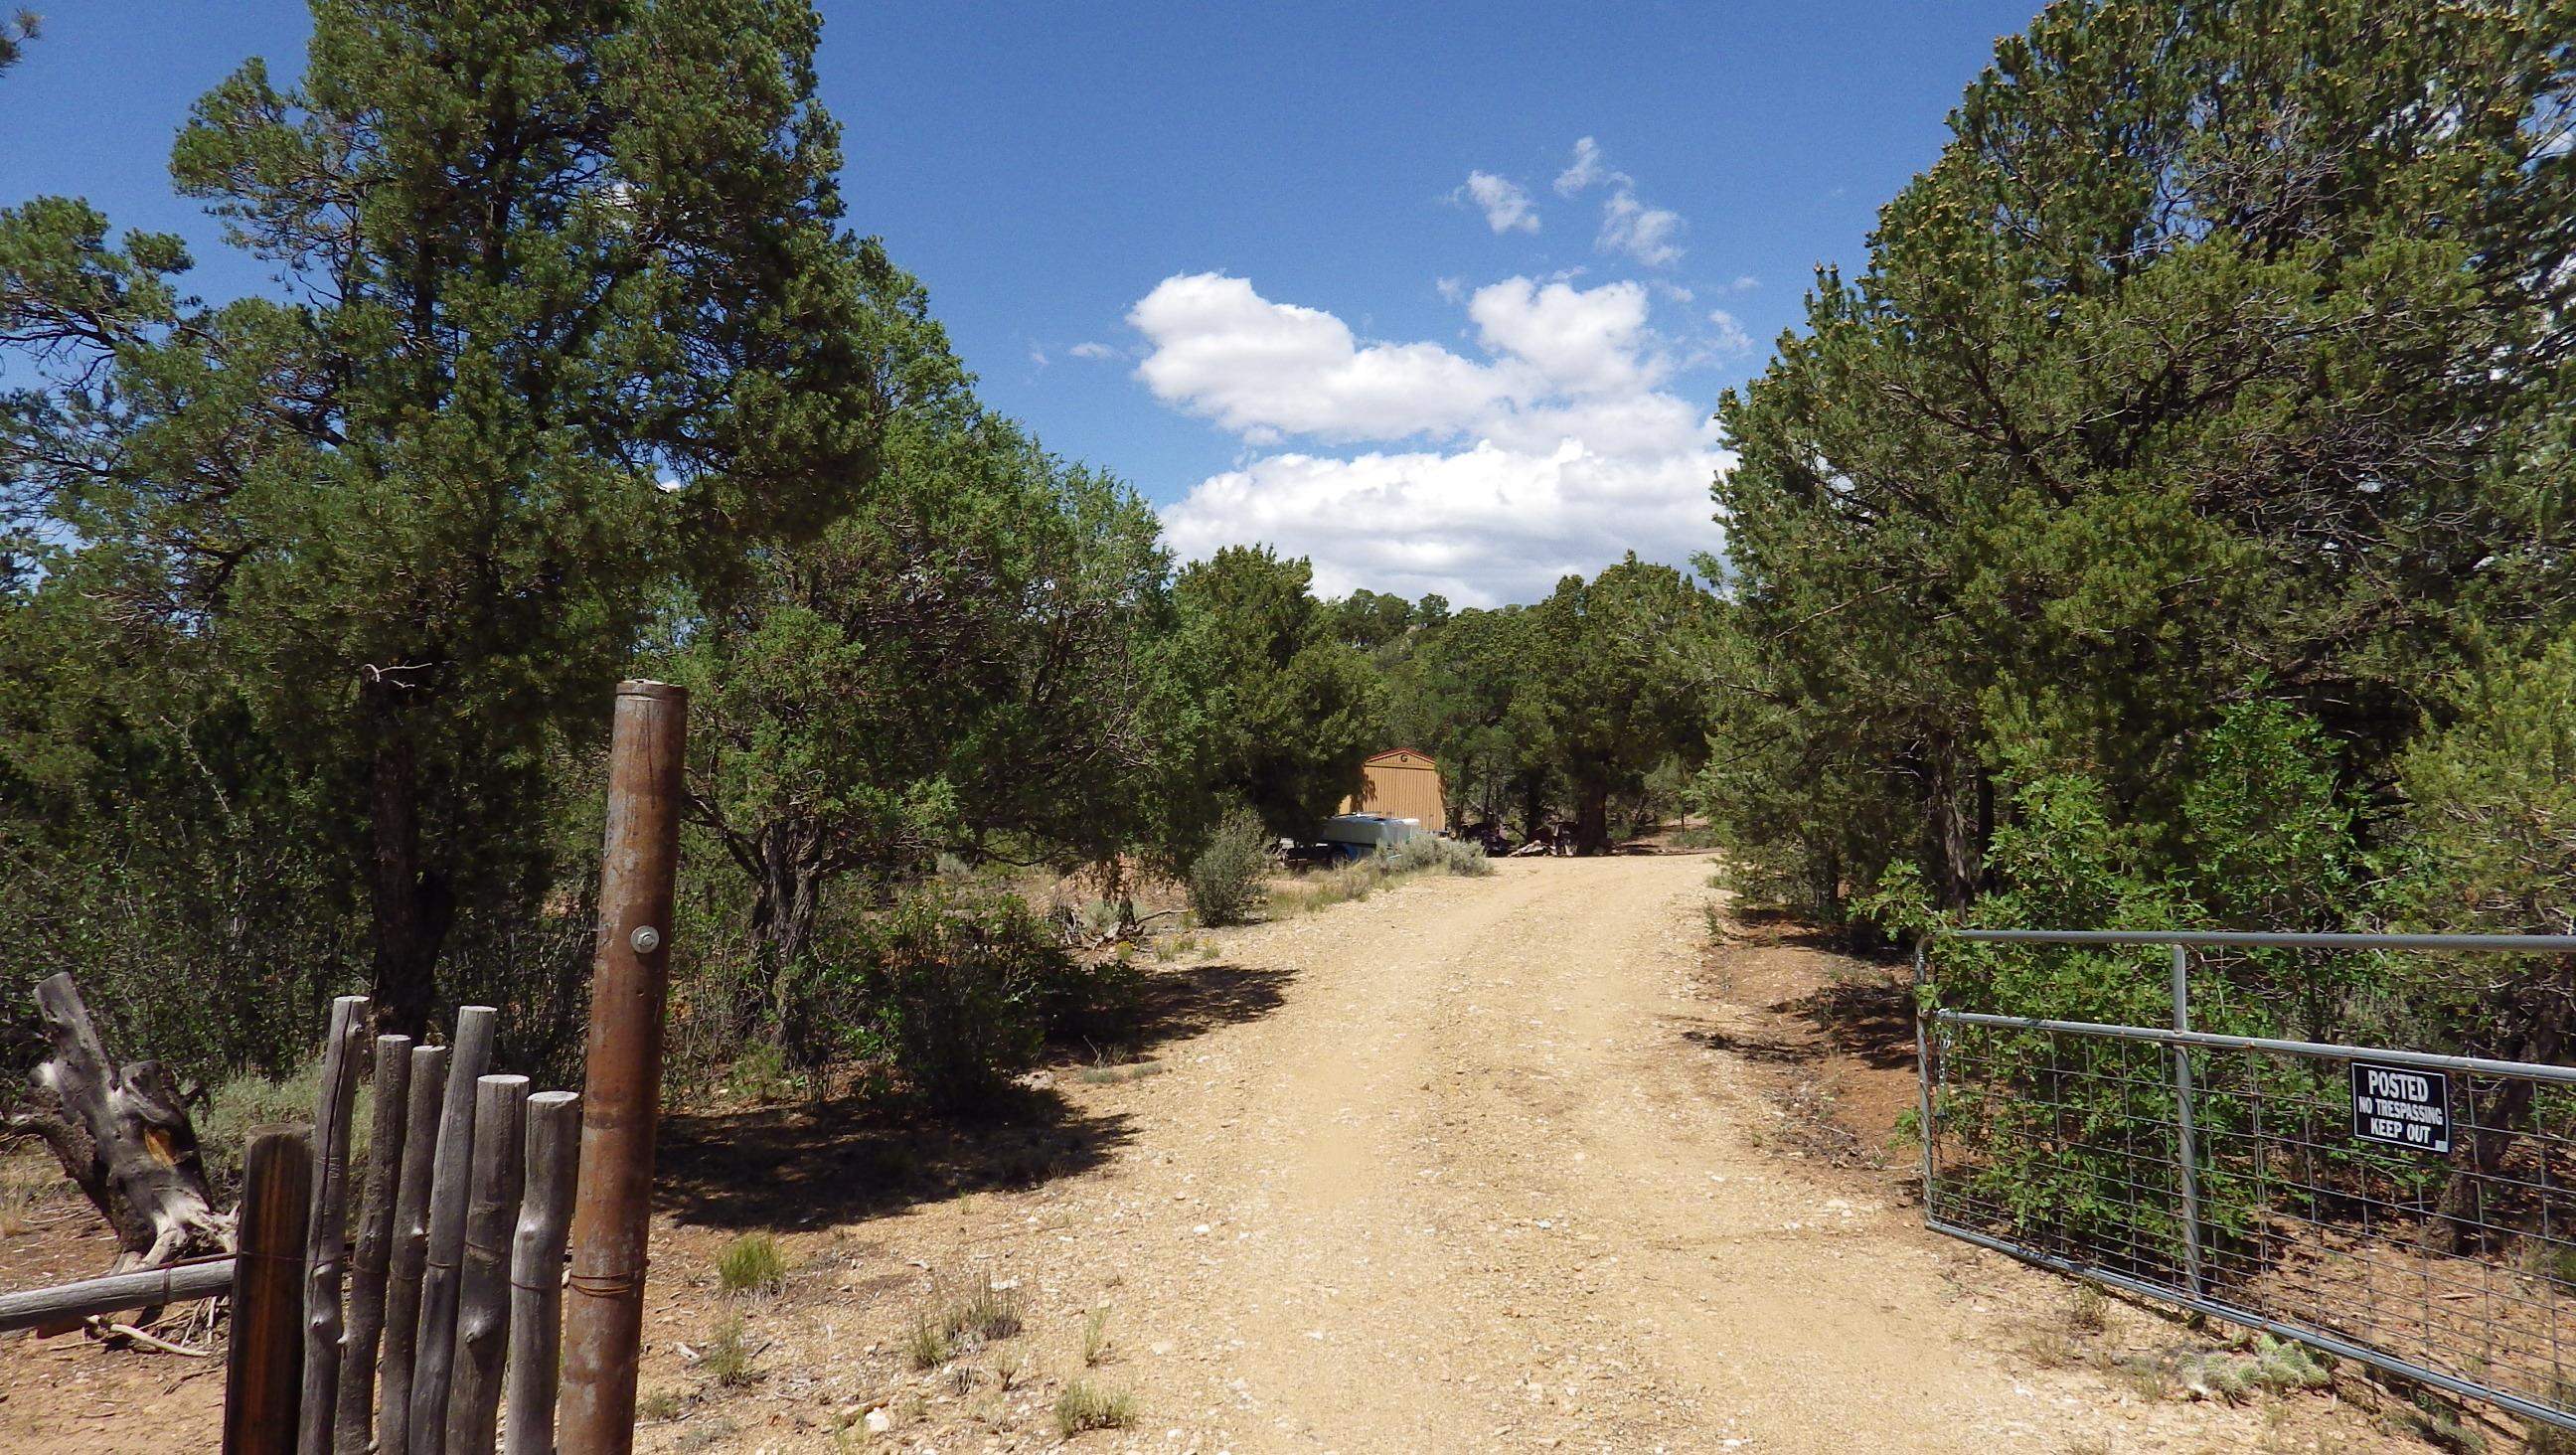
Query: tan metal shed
x=1402, y=783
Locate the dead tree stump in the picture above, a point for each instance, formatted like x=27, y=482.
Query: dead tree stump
x=123, y=1137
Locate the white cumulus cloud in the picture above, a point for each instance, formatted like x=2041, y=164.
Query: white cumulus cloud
x=1486, y=478
x=1221, y=350
x=1506, y=206
x=1480, y=526
x=1584, y=341
x=1094, y=351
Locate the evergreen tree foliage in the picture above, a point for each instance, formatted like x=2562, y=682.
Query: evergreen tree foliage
x=15, y=32
x=1282, y=710
x=1620, y=694
x=2223, y=354
x=569, y=317
x=956, y=667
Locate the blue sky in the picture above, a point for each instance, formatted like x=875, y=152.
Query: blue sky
x=1232, y=253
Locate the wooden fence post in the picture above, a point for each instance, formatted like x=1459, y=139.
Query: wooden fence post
x=410, y=1253
x=263, y=1374
x=537, y=1272
x=353, y=1413
x=434, y=1350
x=326, y=1228
x=621, y=1093
x=483, y=1289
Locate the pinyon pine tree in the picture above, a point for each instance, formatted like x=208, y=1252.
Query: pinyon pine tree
x=567, y=315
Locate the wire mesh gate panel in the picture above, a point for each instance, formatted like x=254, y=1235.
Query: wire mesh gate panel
x=2413, y=1211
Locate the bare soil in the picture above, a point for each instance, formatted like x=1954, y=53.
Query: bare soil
x=1523, y=1162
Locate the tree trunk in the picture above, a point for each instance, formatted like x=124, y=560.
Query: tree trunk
x=787, y=899
x=2465, y=1218
x=1533, y=805
x=123, y=1137
x=1961, y=804
x=410, y=902
x=1592, y=820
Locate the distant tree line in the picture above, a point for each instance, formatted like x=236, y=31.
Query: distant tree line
x=1581, y=714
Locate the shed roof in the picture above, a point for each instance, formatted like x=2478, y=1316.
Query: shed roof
x=1393, y=754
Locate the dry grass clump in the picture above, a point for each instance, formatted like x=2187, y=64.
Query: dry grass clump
x=1360, y=878
x=2090, y=1313
x=1095, y=1337
x=1086, y=1406
x=728, y=1360
x=1341, y=884
x=926, y=1345
x=2146, y=1375
x=983, y=1311
x=959, y=1317
x=2052, y=1350
x=2440, y=1426
x=1108, y=1075
x=660, y=1405
x=750, y=1264
x=26, y=1180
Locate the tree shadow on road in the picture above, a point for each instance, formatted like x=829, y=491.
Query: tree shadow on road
x=867, y=1153
x=792, y=1166
x=1176, y=1004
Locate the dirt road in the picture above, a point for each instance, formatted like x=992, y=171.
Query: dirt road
x=1471, y=1184
x=1477, y=1164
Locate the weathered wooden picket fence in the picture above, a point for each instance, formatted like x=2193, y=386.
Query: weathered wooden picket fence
x=407, y=1336
x=452, y=1289
x=404, y=1338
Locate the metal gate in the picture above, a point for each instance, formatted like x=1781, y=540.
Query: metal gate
x=2407, y=1210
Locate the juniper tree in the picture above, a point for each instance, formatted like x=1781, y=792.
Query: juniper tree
x=15, y=32
x=2221, y=353
x=1278, y=712
x=958, y=666
x=565, y=314
x=1612, y=672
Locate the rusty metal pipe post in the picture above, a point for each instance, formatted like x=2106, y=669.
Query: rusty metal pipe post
x=621, y=1091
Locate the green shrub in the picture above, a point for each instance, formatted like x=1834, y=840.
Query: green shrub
x=247, y=1102
x=960, y=987
x=1225, y=879
x=1425, y=852
x=1091, y=1003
